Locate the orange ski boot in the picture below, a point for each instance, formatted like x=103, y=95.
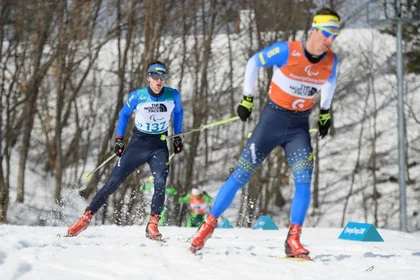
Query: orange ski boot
x=80, y=225
x=152, y=231
x=203, y=233
x=293, y=247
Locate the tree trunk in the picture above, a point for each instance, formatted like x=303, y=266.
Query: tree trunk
x=30, y=107
x=4, y=195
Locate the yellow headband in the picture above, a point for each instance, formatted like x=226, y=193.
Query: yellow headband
x=160, y=69
x=328, y=21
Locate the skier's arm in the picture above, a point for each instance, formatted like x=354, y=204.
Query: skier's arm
x=184, y=199
x=146, y=187
x=275, y=54
x=177, y=113
x=125, y=113
x=171, y=191
x=328, y=89
x=207, y=198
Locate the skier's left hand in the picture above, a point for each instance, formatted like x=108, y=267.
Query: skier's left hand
x=178, y=144
x=119, y=146
x=324, y=122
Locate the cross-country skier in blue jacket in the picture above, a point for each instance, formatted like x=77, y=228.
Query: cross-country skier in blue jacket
x=153, y=106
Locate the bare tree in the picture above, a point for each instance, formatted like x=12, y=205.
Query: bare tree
x=44, y=23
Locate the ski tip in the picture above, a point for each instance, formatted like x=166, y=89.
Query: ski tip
x=193, y=249
x=195, y=252
x=86, y=176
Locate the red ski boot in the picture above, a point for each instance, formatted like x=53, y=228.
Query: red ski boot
x=80, y=225
x=203, y=233
x=152, y=231
x=293, y=247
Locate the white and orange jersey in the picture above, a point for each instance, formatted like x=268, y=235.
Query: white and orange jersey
x=198, y=205
x=295, y=80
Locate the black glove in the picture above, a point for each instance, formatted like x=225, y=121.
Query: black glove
x=324, y=122
x=178, y=144
x=119, y=146
x=245, y=108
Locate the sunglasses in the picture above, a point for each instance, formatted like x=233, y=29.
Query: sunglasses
x=329, y=32
x=157, y=76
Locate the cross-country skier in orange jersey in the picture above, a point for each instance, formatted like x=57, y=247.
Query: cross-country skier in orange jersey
x=301, y=70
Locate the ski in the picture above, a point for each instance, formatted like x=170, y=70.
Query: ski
x=296, y=259
x=162, y=240
x=159, y=240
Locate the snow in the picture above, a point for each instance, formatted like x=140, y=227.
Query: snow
x=112, y=252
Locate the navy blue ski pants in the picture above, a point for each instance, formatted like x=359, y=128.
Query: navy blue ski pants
x=277, y=127
x=141, y=149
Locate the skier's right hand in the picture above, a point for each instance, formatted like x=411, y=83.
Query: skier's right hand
x=119, y=146
x=245, y=108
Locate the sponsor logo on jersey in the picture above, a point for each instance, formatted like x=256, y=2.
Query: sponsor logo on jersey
x=156, y=118
x=303, y=90
x=311, y=156
x=296, y=53
x=129, y=100
x=308, y=70
x=273, y=52
x=253, y=153
x=307, y=79
x=156, y=108
x=298, y=104
x=262, y=60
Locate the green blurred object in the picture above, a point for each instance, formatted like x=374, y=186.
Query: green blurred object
x=195, y=220
x=162, y=216
x=186, y=198
x=171, y=191
x=168, y=190
x=146, y=187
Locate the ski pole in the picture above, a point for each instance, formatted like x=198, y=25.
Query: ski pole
x=170, y=158
x=87, y=175
x=203, y=127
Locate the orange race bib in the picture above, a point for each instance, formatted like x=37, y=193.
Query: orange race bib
x=294, y=85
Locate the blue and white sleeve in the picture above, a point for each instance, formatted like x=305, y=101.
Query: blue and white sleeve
x=125, y=113
x=177, y=113
x=328, y=89
x=276, y=54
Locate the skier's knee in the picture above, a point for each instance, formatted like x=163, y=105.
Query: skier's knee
x=243, y=172
x=159, y=181
x=301, y=163
x=302, y=176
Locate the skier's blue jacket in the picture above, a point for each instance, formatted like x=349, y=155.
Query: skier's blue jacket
x=152, y=112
